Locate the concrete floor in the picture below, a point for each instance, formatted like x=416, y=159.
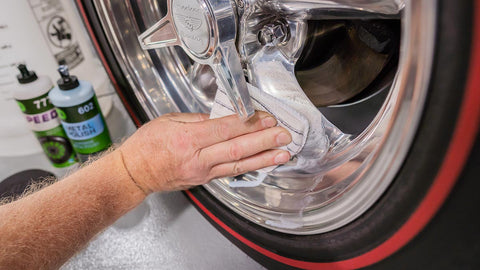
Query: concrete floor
x=164, y=232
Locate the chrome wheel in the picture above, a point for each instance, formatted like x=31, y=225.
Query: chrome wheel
x=277, y=45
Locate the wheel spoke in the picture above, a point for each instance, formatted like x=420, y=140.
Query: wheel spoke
x=162, y=34
x=229, y=73
x=340, y=9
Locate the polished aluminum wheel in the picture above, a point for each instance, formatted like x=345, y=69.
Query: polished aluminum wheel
x=334, y=56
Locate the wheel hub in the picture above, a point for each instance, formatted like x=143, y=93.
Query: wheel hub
x=193, y=23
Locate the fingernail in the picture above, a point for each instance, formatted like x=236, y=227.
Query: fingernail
x=283, y=138
x=269, y=122
x=282, y=158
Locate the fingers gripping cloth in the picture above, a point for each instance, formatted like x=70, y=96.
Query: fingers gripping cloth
x=294, y=122
x=281, y=96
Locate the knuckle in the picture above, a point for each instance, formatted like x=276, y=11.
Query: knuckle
x=201, y=164
x=221, y=131
x=235, y=152
x=237, y=169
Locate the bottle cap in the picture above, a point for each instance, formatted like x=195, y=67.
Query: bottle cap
x=67, y=82
x=25, y=76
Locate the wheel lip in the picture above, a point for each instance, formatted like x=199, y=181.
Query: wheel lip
x=455, y=159
x=106, y=65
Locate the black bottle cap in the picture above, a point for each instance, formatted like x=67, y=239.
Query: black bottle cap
x=25, y=76
x=67, y=82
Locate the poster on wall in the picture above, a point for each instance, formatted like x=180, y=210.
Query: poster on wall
x=57, y=31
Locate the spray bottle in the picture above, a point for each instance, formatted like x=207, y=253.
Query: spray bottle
x=32, y=97
x=80, y=115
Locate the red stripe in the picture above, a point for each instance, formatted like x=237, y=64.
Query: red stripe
x=455, y=159
x=105, y=64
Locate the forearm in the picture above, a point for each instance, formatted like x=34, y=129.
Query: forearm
x=172, y=152
x=46, y=228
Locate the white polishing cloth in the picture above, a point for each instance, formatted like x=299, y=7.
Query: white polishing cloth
x=278, y=93
x=293, y=121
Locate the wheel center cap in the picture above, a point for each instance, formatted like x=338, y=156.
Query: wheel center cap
x=193, y=22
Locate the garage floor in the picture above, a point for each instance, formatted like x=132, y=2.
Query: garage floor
x=165, y=232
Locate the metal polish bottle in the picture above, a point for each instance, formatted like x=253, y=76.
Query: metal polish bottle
x=32, y=97
x=80, y=114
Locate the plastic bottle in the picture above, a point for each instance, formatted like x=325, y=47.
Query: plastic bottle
x=80, y=115
x=32, y=97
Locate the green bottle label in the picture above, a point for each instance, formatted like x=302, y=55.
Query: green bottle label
x=35, y=105
x=56, y=146
x=85, y=127
x=43, y=120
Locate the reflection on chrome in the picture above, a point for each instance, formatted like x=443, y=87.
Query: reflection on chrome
x=348, y=9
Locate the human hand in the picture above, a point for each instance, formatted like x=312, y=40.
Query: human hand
x=178, y=151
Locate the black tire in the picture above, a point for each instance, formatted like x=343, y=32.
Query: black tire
x=437, y=156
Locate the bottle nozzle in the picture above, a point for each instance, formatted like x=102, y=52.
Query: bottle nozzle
x=23, y=70
x=63, y=70
x=26, y=75
x=67, y=82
